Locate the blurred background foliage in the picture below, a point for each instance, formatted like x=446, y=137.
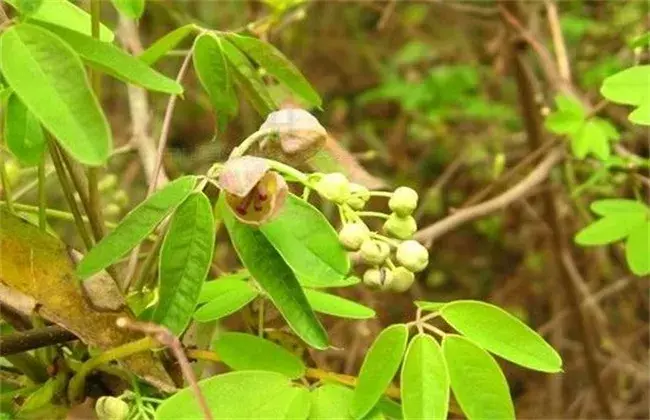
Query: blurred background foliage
x=421, y=93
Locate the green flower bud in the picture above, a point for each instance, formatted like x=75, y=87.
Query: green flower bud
x=400, y=227
x=352, y=235
x=359, y=196
x=108, y=182
x=412, y=255
x=402, y=279
x=403, y=201
x=112, y=209
x=111, y=408
x=374, y=252
x=334, y=187
x=12, y=170
x=378, y=278
x=121, y=198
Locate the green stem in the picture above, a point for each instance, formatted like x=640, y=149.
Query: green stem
x=387, y=194
x=6, y=188
x=147, y=265
x=249, y=142
x=77, y=383
x=288, y=170
x=42, y=202
x=56, y=214
x=260, y=319
x=67, y=192
x=373, y=214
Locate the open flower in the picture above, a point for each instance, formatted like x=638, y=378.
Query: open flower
x=254, y=192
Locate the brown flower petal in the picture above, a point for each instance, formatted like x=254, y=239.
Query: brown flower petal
x=240, y=175
x=263, y=203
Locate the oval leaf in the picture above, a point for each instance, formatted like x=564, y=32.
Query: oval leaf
x=248, y=352
x=64, y=13
x=49, y=78
x=185, y=259
x=235, y=395
x=613, y=206
x=276, y=64
x=629, y=86
x=23, y=133
x=309, y=244
x=248, y=79
x=165, y=44
x=501, y=333
x=226, y=303
x=135, y=226
x=224, y=284
x=609, y=229
x=479, y=386
x=131, y=8
x=330, y=401
x=269, y=269
x=378, y=368
x=424, y=380
x=214, y=73
x=429, y=306
x=326, y=303
x=116, y=62
x=637, y=250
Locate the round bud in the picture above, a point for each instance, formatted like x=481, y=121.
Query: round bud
x=111, y=408
x=359, y=196
x=402, y=279
x=112, y=209
x=12, y=171
x=374, y=252
x=108, y=182
x=352, y=235
x=400, y=227
x=334, y=187
x=378, y=278
x=403, y=201
x=412, y=255
x=121, y=198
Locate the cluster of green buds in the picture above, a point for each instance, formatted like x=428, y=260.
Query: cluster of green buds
x=392, y=256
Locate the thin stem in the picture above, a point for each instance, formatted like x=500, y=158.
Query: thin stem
x=260, y=318
x=42, y=201
x=315, y=373
x=76, y=385
x=387, y=194
x=249, y=141
x=288, y=170
x=56, y=214
x=6, y=188
x=67, y=192
x=373, y=214
x=148, y=264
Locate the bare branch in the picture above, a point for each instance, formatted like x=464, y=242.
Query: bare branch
x=519, y=191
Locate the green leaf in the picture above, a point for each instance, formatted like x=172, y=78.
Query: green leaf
x=49, y=78
x=185, y=259
x=248, y=352
x=236, y=395
x=590, y=139
x=274, y=62
x=309, y=244
x=213, y=71
x=64, y=13
x=228, y=301
x=300, y=405
x=378, y=368
x=248, y=79
x=637, y=249
x=23, y=133
x=224, y=284
x=330, y=402
x=424, y=380
x=640, y=41
x=570, y=105
x=479, y=386
x=131, y=8
x=335, y=305
x=501, y=333
x=116, y=62
x=429, y=306
x=275, y=277
x=166, y=43
x=563, y=123
x=135, y=226
x=27, y=7
x=630, y=86
x=609, y=229
x=612, y=206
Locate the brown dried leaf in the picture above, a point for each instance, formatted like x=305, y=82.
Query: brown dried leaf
x=38, y=265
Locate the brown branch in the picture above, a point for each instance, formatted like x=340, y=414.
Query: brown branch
x=166, y=338
x=519, y=191
x=34, y=339
x=559, y=245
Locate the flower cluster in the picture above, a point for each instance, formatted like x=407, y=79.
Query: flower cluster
x=393, y=257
